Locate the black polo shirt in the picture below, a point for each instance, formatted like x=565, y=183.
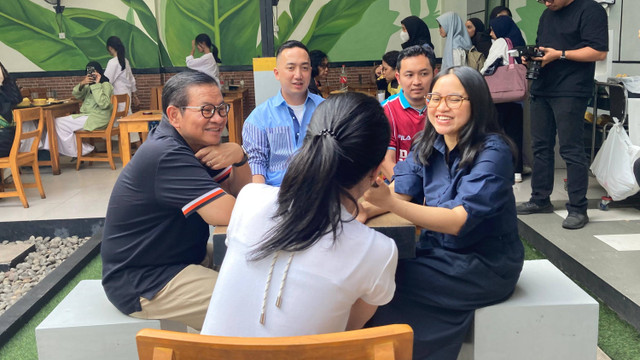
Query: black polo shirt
x=152, y=230
x=579, y=24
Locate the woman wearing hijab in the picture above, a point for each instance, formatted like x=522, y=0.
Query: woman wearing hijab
x=499, y=11
x=414, y=32
x=95, y=92
x=457, y=42
x=510, y=115
x=479, y=37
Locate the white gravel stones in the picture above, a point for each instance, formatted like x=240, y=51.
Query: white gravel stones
x=49, y=253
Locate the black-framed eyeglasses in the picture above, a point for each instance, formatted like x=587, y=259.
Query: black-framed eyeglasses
x=209, y=110
x=452, y=101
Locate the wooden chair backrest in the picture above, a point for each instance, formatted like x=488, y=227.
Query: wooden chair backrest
x=41, y=91
x=19, y=117
x=383, y=342
x=115, y=114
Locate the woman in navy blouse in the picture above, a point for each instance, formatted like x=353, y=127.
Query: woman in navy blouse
x=456, y=184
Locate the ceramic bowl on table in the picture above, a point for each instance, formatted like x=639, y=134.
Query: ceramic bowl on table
x=39, y=102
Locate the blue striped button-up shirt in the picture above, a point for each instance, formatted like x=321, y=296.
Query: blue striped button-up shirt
x=269, y=136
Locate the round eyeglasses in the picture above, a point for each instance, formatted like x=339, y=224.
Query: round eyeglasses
x=209, y=110
x=452, y=101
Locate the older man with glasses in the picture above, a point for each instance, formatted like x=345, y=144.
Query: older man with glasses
x=156, y=262
x=572, y=34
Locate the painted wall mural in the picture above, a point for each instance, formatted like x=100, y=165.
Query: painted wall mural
x=158, y=33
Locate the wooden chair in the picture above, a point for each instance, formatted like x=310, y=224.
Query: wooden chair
x=156, y=98
x=16, y=159
x=384, y=342
x=105, y=134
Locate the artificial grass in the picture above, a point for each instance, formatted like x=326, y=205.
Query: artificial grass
x=23, y=344
x=618, y=339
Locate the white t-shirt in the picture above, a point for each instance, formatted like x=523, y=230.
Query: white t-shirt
x=122, y=80
x=298, y=110
x=322, y=283
x=206, y=64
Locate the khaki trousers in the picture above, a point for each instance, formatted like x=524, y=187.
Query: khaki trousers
x=185, y=298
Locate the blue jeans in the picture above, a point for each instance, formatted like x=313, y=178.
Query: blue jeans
x=564, y=114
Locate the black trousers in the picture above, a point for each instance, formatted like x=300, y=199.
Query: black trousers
x=510, y=117
x=564, y=115
x=7, y=136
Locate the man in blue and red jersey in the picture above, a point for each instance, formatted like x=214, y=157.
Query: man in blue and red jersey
x=406, y=111
x=155, y=261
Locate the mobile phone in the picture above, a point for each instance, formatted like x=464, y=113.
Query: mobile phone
x=90, y=71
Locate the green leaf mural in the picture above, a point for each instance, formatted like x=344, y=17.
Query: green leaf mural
x=231, y=24
x=430, y=20
x=33, y=31
x=288, y=23
x=368, y=39
x=142, y=51
x=150, y=24
x=529, y=15
x=332, y=21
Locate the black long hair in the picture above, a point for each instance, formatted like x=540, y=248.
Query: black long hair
x=316, y=57
x=346, y=140
x=117, y=45
x=204, y=38
x=472, y=136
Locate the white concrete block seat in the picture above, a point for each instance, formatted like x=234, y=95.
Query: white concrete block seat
x=85, y=325
x=547, y=317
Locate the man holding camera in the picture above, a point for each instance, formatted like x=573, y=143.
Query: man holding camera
x=572, y=34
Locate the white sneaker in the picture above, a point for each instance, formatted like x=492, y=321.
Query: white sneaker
x=518, y=177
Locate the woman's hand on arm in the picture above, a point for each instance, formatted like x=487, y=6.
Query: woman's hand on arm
x=448, y=221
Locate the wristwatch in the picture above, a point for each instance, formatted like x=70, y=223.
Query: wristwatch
x=244, y=160
x=563, y=56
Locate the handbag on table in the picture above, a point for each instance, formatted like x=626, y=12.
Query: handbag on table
x=508, y=83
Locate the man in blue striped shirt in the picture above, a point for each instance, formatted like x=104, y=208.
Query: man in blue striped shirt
x=274, y=130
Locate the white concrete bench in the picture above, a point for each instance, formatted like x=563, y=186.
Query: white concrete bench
x=547, y=317
x=85, y=325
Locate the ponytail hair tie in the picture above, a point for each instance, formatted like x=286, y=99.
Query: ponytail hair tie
x=325, y=132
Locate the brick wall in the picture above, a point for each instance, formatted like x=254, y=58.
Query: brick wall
x=64, y=84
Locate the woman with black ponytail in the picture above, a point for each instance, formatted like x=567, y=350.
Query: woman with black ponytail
x=208, y=62
x=119, y=72
x=297, y=262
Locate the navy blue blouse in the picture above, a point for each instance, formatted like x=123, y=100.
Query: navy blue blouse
x=483, y=189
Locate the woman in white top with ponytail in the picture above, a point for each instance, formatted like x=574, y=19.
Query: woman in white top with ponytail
x=297, y=261
x=208, y=62
x=119, y=72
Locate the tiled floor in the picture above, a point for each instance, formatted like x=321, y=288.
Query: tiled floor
x=72, y=194
x=608, y=248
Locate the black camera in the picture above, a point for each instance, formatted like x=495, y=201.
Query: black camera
x=90, y=71
x=528, y=52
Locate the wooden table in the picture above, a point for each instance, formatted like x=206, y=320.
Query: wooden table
x=400, y=230
x=136, y=122
x=50, y=113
